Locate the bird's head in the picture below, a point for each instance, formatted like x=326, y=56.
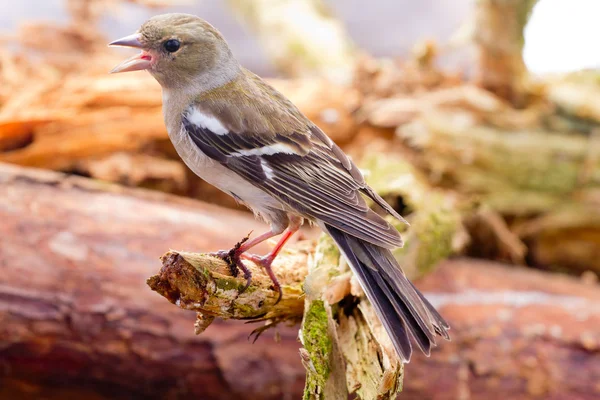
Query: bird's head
x=179, y=50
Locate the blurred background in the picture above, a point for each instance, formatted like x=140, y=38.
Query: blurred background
x=478, y=120
x=383, y=28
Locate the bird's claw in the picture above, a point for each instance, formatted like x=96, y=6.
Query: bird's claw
x=265, y=262
x=247, y=274
x=230, y=258
x=256, y=259
x=233, y=259
x=222, y=254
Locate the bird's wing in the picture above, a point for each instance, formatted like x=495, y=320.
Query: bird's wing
x=303, y=169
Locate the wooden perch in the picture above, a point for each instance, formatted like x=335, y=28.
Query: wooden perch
x=516, y=333
x=336, y=364
x=204, y=283
x=78, y=320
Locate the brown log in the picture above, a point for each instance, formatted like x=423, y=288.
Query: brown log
x=78, y=321
x=516, y=334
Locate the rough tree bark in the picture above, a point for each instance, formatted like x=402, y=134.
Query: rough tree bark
x=516, y=334
x=78, y=321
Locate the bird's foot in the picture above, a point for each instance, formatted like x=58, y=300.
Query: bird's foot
x=265, y=262
x=233, y=259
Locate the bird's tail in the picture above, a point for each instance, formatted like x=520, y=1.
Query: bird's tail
x=402, y=309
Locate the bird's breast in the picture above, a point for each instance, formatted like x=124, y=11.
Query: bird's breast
x=218, y=175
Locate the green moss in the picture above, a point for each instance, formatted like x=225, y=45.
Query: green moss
x=315, y=329
x=245, y=310
x=328, y=250
x=232, y=283
x=435, y=234
x=318, y=344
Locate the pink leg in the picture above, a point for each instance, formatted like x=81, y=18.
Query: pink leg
x=267, y=260
x=273, y=253
x=232, y=257
x=247, y=245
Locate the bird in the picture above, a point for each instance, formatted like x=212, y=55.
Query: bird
x=239, y=134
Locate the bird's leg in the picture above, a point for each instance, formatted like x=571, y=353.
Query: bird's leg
x=232, y=257
x=266, y=260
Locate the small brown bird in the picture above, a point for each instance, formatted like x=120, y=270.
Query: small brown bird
x=241, y=135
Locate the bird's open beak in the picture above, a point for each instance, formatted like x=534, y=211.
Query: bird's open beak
x=138, y=62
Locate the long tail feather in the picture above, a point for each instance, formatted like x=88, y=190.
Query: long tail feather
x=402, y=309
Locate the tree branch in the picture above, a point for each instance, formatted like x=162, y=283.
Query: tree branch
x=204, y=284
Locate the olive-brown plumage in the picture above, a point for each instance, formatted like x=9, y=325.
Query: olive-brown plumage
x=241, y=135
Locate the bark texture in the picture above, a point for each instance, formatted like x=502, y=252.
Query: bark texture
x=516, y=334
x=77, y=319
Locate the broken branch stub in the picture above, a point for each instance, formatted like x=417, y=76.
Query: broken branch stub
x=204, y=284
x=346, y=350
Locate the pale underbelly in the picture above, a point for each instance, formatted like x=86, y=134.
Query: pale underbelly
x=223, y=178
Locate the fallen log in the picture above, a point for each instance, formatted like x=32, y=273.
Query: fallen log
x=516, y=334
x=78, y=320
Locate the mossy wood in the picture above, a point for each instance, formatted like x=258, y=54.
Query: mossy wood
x=345, y=348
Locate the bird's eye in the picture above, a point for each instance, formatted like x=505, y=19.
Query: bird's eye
x=172, y=45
